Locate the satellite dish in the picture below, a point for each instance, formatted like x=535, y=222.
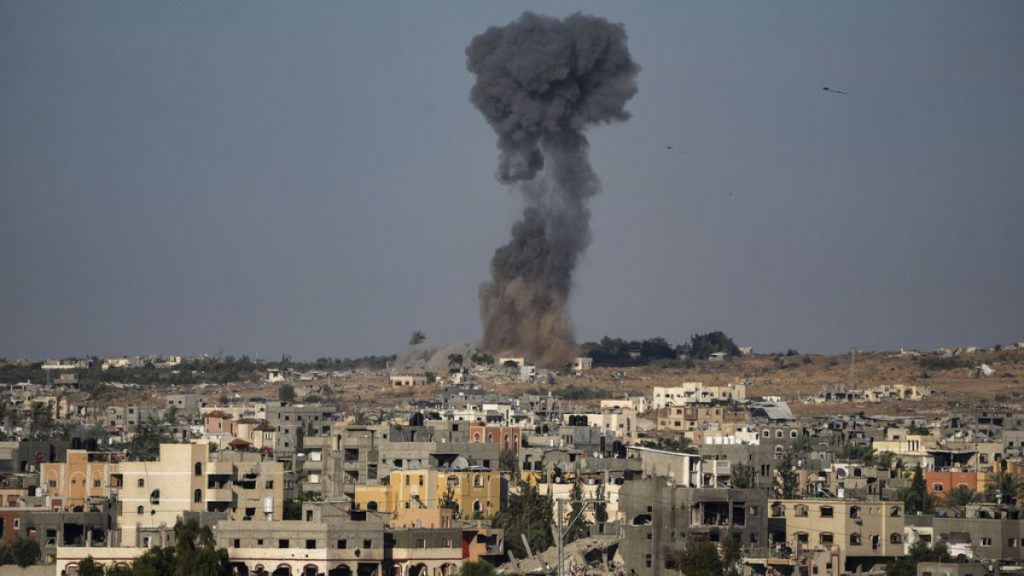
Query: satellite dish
x=414, y=464
x=460, y=463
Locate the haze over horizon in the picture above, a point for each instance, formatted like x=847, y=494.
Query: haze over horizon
x=312, y=180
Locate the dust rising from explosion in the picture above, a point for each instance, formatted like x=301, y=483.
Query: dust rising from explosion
x=540, y=82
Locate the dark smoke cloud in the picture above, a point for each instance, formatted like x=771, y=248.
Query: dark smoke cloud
x=540, y=82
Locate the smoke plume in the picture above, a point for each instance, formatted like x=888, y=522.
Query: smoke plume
x=540, y=82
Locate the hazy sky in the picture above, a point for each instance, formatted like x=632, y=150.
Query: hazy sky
x=309, y=178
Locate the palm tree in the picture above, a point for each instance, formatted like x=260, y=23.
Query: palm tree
x=961, y=496
x=1004, y=487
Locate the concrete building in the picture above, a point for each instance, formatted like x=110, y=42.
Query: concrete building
x=406, y=380
x=696, y=393
x=856, y=533
x=187, y=478
x=658, y=515
x=474, y=493
x=85, y=477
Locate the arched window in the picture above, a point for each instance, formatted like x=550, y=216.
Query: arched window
x=855, y=512
x=792, y=434
x=140, y=510
x=800, y=511
x=197, y=496
x=895, y=538
x=154, y=497
x=855, y=539
x=199, y=468
x=371, y=506
x=478, y=481
x=778, y=510
x=476, y=506
x=142, y=482
x=476, y=437
x=827, y=511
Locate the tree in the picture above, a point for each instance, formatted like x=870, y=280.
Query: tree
x=961, y=496
x=448, y=501
x=528, y=514
x=481, y=358
x=786, y=482
x=417, y=337
x=699, y=557
x=600, y=508
x=481, y=568
x=919, y=552
x=704, y=345
x=508, y=463
x=286, y=393
x=156, y=561
x=1004, y=487
x=732, y=556
x=581, y=527
x=196, y=552
x=455, y=362
x=916, y=497
x=21, y=552
x=743, y=475
x=90, y=567
x=801, y=445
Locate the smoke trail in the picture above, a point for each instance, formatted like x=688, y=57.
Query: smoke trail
x=540, y=82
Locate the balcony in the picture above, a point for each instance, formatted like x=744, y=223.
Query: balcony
x=219, y=495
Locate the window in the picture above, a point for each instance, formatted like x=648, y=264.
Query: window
x=894, y=511
x=197, y=496
x=801, y=537
x=140, y=510
x=854, y=511
x=778, y=433
x=855, y=539
x=825, y=538
x=95, y=483
x=792, y=434
x=800, y=511
x=142, y=482
x=767, y=433
x=53, y=483
x=937, y=487
x=154, y=497
x=778, y=510
x=269, y=484
x=827, y=512
x=986, y=542
x=310, y=544
x=895, y=538
x=367, y=543
x=1011, y=543
x=199, y=469
x=342, y=544
x=283, y=543
x=236, y=543
x=478, y=481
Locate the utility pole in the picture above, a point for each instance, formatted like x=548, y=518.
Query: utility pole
x=563, y=528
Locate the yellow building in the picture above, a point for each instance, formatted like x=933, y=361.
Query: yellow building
x=85, y=475
x=477, y=493
x=844, y=528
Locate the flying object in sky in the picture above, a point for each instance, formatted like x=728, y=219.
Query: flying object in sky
x=833, y=90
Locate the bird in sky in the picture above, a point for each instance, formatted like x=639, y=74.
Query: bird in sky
x=833, y=90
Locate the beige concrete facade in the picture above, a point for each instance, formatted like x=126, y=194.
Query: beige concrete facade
x=846, y=528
